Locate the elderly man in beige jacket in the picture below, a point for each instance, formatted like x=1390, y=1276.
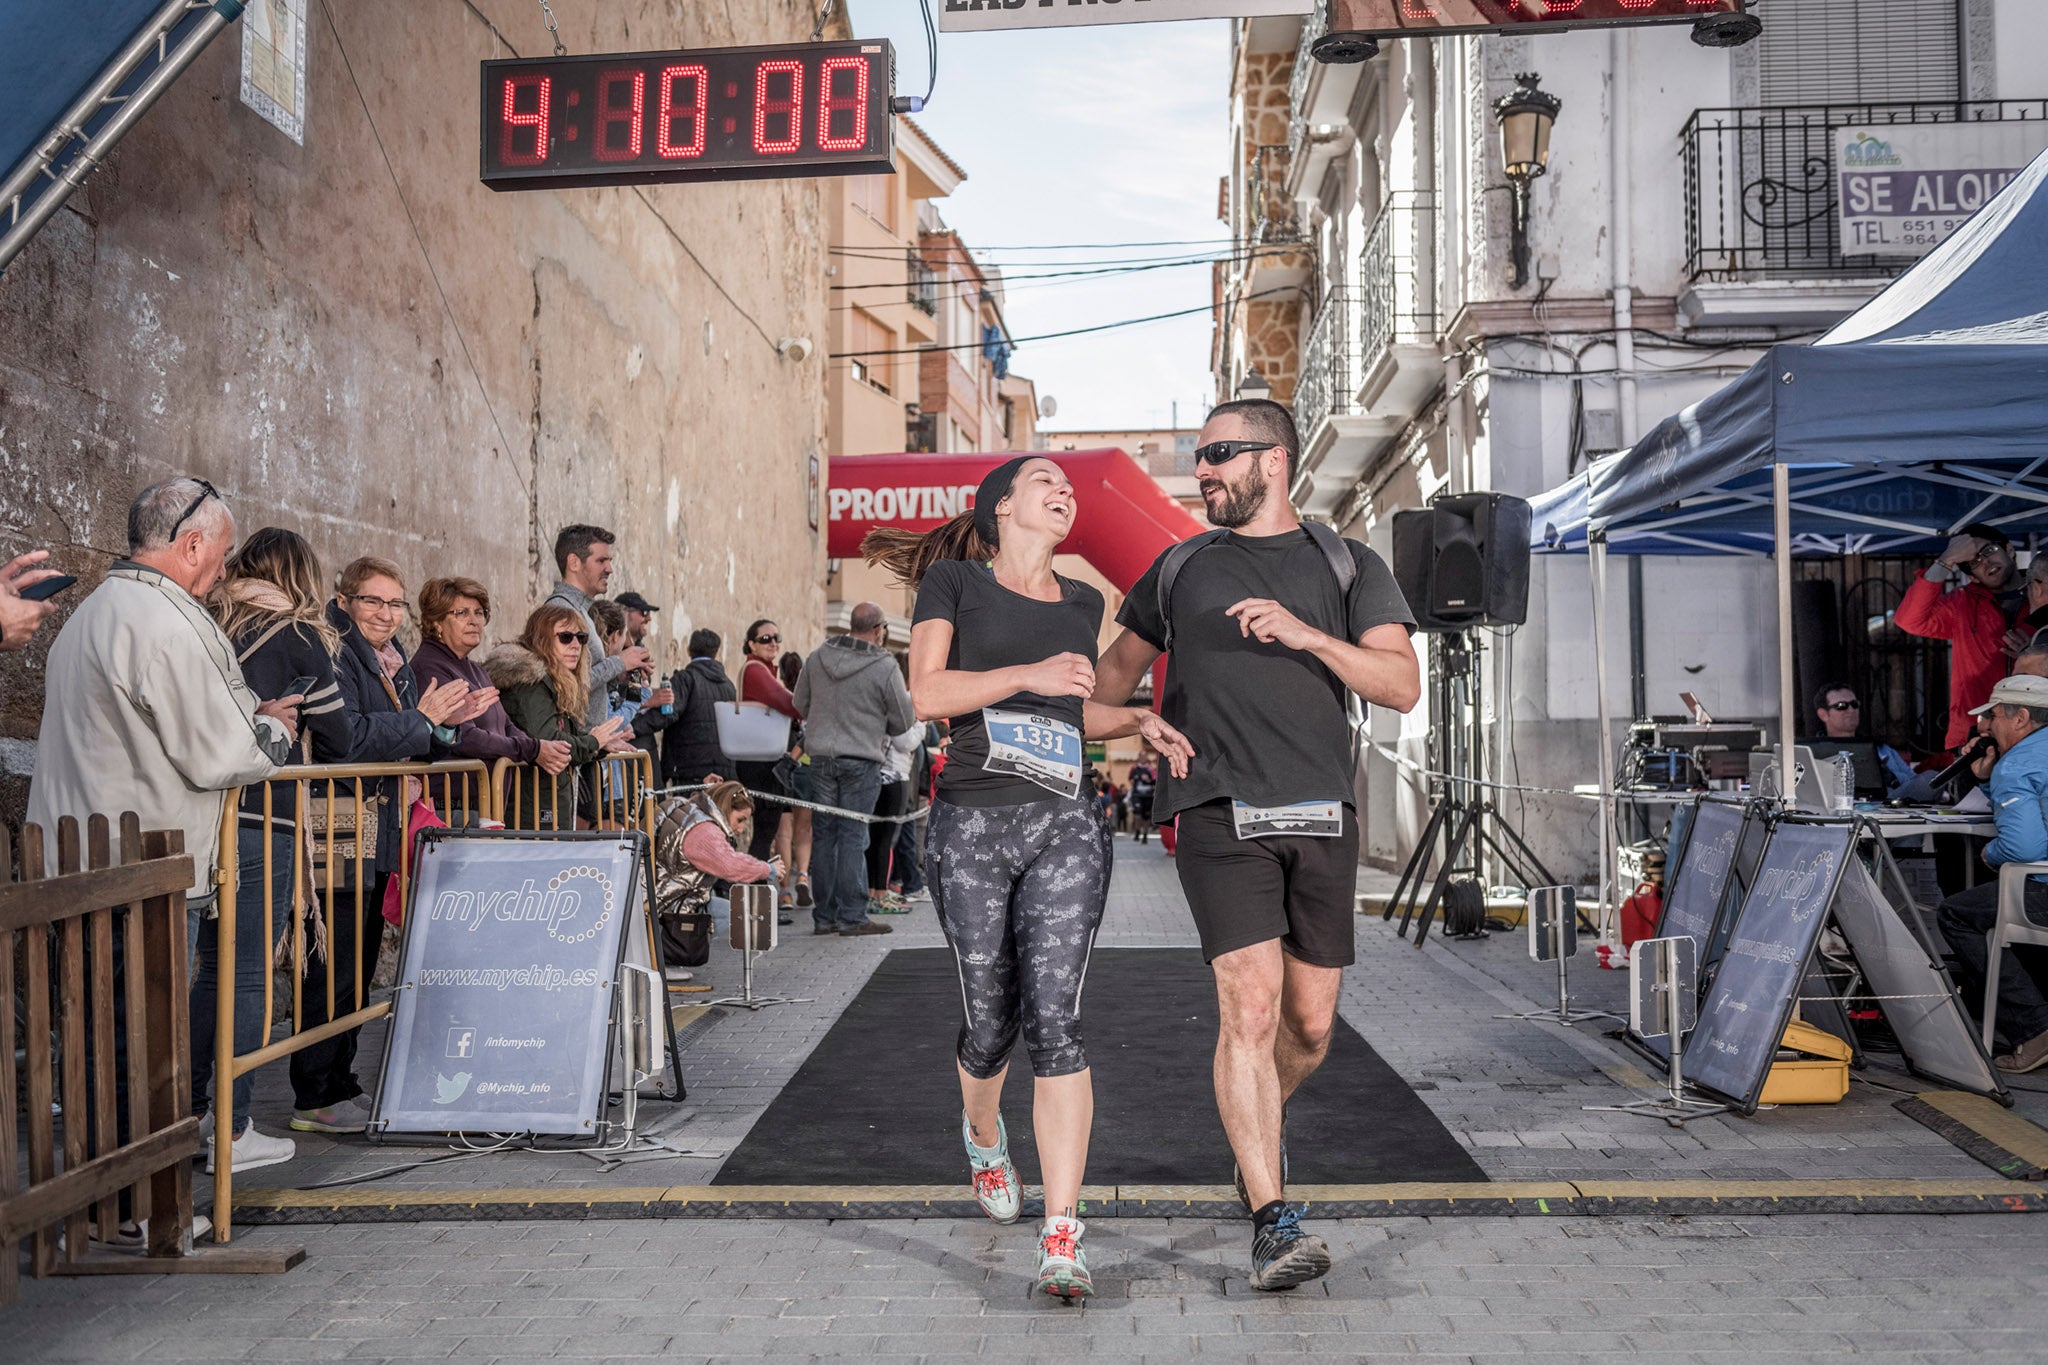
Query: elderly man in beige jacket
x=145, y=708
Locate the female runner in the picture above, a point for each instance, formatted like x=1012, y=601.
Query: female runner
x=1018, y=862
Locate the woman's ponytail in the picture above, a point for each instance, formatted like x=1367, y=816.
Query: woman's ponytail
x=909, y=555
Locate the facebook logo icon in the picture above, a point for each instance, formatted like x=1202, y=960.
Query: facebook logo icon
x=462, y=1042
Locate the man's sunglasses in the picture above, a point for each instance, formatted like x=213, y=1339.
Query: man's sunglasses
x=206, y=490
x=1223, y=452
x=1843, y=706
x=571, y=637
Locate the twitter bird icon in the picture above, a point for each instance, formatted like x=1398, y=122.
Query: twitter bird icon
x=448, y=1089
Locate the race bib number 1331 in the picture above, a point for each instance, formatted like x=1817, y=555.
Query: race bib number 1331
x=1036, y=748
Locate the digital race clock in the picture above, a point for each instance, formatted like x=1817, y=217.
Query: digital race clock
x=1433, y=18
x=734, y=113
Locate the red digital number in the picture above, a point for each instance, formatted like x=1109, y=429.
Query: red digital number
x=765, y=108
x=1420, y=9
x=830, y=104
x=1640, y=4
x=513, y=121
x=633, y=115
x=667, y=113
x=1548, y=9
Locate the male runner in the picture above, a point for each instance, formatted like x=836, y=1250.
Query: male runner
x=1264, y=645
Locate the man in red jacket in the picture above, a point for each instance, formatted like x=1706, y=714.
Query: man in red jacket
x=1958, y=600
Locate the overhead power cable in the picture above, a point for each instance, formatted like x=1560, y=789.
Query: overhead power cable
x=1083, y=246
x=1089, y=271
x=1054, y=336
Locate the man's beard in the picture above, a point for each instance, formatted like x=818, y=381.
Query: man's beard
x=1241, y=502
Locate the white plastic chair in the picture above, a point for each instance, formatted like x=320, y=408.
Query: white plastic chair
x=2011, y=927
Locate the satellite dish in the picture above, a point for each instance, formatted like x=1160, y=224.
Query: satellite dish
x=1048, y=407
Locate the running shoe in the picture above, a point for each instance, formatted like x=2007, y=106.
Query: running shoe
x=888, y=903
x=1062, y=1268
x=1237, y=1175
x=996, y=1187
x=804, y=899
x=1284, y=1256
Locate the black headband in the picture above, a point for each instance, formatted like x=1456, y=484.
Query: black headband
x=994, y=488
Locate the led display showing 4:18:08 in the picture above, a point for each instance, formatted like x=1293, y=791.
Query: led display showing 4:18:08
x=726, y=113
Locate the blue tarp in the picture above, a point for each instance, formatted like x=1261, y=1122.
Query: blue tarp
x=50, y=51
x=1925, y=409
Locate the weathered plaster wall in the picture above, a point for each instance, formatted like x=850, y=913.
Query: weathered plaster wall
x=355, y=339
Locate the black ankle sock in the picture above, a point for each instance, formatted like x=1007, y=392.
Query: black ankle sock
x=1268, y=1215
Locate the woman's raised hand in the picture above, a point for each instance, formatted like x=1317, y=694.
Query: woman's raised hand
x=1063, y=675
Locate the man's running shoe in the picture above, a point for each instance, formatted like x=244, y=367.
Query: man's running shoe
x=1237, y=1174
x=996, y=1187
x=1062, y=1268
x=1284, y=1256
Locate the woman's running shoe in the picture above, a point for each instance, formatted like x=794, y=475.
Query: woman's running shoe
x=804, y=899
x=888, y=903
x=996, y=1187
x=1284, y=1256
x=1062, y=1268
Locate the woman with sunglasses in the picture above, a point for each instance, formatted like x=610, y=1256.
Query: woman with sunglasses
x=1018, y=862
x=543, y=680
x=761, y=682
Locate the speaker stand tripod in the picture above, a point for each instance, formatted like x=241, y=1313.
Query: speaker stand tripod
x=1461, y=817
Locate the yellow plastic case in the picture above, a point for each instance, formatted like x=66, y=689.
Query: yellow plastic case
x=1821, y=1076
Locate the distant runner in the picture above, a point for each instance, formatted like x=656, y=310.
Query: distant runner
x=1266, y=624
x=1018, y=860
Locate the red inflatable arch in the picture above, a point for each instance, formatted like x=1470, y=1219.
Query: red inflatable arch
x=1124, y=520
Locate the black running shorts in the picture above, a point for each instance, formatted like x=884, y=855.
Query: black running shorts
x=1246, y=891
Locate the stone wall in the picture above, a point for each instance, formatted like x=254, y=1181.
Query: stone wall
x=356, y=339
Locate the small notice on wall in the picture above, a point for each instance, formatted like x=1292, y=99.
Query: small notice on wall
x=274, y=64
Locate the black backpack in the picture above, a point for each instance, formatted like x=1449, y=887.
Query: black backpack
x=1342, y=566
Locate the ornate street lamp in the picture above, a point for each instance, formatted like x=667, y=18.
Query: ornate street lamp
x=1254, y=385
x=1525, y=116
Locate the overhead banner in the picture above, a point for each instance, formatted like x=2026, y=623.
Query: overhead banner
x=1904, y=187
x=964, y=16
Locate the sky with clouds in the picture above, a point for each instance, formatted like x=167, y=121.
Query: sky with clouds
x=1111, y=134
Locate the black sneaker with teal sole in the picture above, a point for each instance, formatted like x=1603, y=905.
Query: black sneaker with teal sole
x=1284, y=1256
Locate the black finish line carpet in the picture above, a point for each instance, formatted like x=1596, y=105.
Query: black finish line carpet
x=878, y=1100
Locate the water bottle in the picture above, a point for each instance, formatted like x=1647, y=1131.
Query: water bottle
x=1843, y=796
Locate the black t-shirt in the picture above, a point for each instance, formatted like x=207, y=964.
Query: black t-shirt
x=996, y=628
x=1267, y=722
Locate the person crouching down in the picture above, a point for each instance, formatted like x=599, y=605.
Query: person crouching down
x=699, y=843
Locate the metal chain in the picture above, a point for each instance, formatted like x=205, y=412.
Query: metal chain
x=824, y=13
x=547, y=13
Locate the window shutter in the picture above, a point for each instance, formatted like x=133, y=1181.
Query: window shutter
x=1856, y=52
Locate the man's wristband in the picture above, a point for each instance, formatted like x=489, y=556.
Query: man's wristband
x=1939, y=572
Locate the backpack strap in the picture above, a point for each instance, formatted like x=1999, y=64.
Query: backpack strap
x=1169, y=569
x=1342, y=566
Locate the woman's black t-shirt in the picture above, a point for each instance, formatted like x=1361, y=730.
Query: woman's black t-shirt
x=993, y=628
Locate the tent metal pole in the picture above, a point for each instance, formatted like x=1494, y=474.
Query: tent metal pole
x=1596, y=549
x=171, y=64
x=1781, y=497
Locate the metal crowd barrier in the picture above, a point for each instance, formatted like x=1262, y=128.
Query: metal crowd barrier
x=335, y=813
x=620, y=788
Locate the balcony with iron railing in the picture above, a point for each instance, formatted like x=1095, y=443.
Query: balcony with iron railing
x=1328, y=386
x=923, y=283
x=1762, y=185
x=1397, y=282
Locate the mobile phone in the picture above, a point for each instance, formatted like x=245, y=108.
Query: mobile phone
x=49, y=587
x=299, y=687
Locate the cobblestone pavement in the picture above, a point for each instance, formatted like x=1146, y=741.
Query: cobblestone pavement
x=1767, y=1290
x=1513, y=1092
x=1786, y=1288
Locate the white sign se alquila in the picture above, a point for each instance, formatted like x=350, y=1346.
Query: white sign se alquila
x=963, y=16
x=1903, y=188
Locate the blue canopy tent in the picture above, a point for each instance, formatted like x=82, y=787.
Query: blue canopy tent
x=75, y=77
x=1924, y=410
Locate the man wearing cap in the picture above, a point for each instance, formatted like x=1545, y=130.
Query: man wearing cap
x=658, y=711
x=1961, y=599
x=2018, y=712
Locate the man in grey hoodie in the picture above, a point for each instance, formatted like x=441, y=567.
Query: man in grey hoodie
x=852, y=697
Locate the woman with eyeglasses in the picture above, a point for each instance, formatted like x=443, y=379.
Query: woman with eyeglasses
x=1018, y=859
x=543, y=679
x=453, y=615
x=390, y=720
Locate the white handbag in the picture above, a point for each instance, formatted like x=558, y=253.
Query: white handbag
x=750, y=732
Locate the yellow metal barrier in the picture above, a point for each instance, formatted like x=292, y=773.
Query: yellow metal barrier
x=336, y=811
x=621, y=786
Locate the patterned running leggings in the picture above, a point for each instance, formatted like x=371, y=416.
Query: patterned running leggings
x=1020, y=892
